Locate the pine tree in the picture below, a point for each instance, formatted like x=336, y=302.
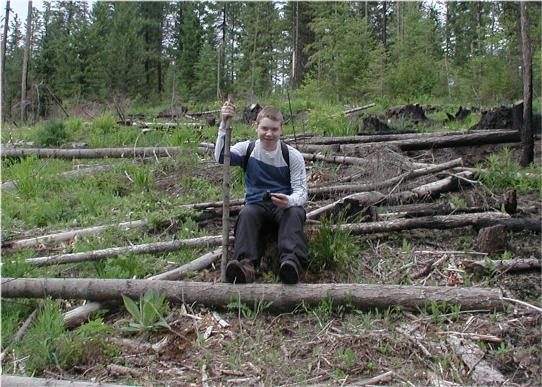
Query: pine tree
x=204, y=87
x=413, y=71
x=151, y=14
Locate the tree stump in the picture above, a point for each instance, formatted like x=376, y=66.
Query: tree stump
x=510, y=201
x=503, y=117
x=250, y=113
x=410, y=112
x=492, y=240
x=371, y=124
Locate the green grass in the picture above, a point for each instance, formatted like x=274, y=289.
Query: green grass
x=331, y=249
x=51, y=345
x=501, y=173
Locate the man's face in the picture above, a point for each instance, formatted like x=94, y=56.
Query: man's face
x=269, y=132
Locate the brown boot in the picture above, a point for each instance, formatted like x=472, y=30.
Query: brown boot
x=240, y=272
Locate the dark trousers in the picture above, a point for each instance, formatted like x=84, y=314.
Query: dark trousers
x=286, y=222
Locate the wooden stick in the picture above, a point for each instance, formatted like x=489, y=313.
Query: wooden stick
x=539, y=310
x=473, y=336
x=385, y=377
x=226, y=204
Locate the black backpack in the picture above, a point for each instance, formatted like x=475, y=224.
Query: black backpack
x=283, y=147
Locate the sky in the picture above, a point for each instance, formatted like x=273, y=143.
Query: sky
x=20, y=7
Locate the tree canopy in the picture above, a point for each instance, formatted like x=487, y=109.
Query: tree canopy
x=201, y=51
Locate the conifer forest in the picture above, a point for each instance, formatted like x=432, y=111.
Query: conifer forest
x=419, y=125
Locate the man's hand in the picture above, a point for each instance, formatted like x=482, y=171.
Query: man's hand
x=280, y=200
x=227, y=111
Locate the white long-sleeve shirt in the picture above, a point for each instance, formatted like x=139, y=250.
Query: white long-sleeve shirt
x=267, y=171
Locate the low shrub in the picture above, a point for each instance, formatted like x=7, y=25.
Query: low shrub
x=331, y=249
x=52, y=133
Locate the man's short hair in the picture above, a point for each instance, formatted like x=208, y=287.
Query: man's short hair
x=270, y=112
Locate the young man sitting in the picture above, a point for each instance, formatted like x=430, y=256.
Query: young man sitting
x=275, y=192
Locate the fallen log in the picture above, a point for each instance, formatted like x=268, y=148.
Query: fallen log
x=473, y=357
x=336, y=159
x=68, y=235
x=518, y=224
x=96, y=153
x=426, y=222
x=359, y=108
x=81, y=314
x=147, y=248
x=470, y=139
x=282, y=297
x=371, y=198
x=418, y=209
x=371, y=138
x=386, y=183
x=509, y=265
x=24, y=381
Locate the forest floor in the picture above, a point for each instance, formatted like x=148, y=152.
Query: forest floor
x=334, y=344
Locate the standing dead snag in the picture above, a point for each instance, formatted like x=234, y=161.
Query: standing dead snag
x=527, y=138
x=280, y=296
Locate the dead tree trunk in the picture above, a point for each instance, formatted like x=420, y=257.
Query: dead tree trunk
x=512, y=265
x=82, y=313
x=371, y=198
x=3, y=53
x=26, y=54
x=430, y=222
x=67, y=235
x=470, y=139
x=387, y=183
x=148, y=248
x=25, y=381
x=282, y=297
x=97, y=153
x=361, y=139
x=527, y=138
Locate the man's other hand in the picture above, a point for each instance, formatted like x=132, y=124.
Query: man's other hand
x=227, y=111
x=279, y=200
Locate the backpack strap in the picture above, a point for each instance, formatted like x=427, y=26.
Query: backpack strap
x=250, y=148
x=285, y=153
